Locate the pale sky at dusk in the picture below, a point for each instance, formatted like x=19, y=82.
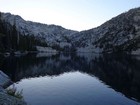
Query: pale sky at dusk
x=71, y=14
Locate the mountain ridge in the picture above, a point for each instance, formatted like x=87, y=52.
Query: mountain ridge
x=124, y=25
x=120, y=34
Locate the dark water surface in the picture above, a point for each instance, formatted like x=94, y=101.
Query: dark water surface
x=75, y=79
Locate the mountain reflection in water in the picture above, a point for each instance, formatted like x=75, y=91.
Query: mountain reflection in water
x=119, y=72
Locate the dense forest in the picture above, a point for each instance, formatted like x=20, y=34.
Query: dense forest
x=11, y=40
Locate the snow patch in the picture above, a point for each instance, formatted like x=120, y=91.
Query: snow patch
x=45, y=49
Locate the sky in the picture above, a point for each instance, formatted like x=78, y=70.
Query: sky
x=71, y=14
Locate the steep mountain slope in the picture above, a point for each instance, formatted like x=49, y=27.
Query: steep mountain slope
x=42, y=34
x=121, y=33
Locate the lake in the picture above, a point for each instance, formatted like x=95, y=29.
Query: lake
x=75, y=79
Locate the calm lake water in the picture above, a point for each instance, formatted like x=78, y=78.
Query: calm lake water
x=75, y=79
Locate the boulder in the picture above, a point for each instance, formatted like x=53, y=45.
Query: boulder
x=4, y=80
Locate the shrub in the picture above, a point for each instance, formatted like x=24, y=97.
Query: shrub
x=13, y=92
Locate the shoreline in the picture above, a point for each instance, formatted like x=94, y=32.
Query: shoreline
x=5, y=98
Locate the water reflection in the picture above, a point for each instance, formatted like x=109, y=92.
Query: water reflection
x=119, y=72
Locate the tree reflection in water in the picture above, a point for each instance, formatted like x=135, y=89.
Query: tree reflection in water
x=119, y=72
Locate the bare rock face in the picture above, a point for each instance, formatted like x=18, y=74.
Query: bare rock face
x=120, y=34
x=25, y=35
x=4, y=80
x=6, y=99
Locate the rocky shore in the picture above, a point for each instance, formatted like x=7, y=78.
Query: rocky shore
x=5, y=98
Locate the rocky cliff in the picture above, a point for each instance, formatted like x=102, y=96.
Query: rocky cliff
x=120, y=34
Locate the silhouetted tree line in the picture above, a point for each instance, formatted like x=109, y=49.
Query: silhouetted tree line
x=11, y=40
